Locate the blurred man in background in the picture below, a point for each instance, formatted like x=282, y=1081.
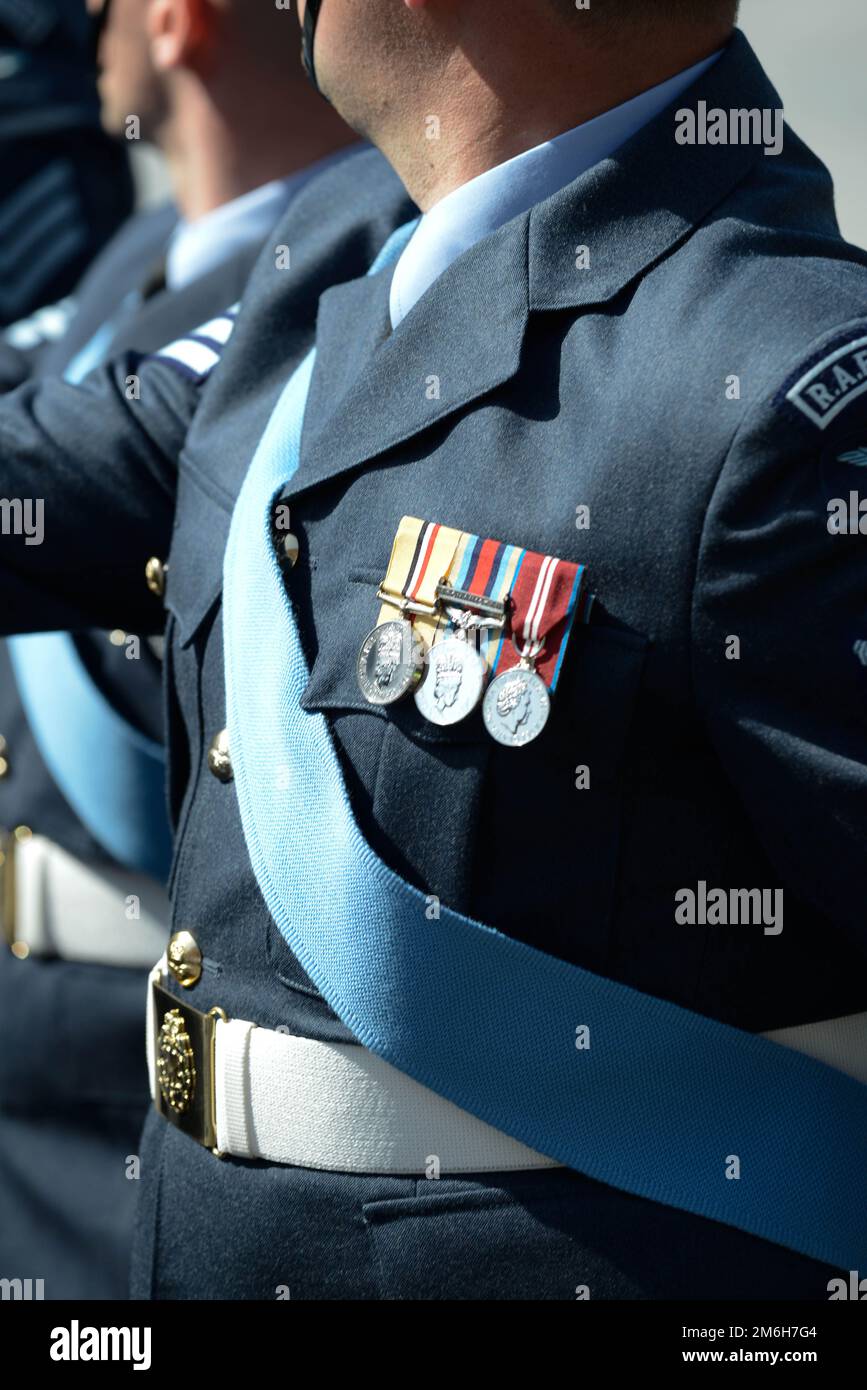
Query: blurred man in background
x=216, y=85
x=66, y=183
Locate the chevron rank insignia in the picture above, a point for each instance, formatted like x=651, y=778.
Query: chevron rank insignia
x=196, y=354
x=856, y=456
x=832, y=384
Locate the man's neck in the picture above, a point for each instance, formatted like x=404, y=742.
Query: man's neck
x=212, y=160
x=483, y=125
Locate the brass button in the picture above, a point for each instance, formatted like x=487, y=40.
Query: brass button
x=284, y=540
x=185, y=959
x=155, y=574
x=288, y=549
x=219, y=762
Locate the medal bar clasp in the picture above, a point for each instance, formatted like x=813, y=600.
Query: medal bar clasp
x=462, y=598
x=405, y=605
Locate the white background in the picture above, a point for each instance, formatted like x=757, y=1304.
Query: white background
x=815, y=53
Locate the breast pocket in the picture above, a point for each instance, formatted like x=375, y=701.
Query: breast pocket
x=552, y=812
x=524, y=839
x=415, y=787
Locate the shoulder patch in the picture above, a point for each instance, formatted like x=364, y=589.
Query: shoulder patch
x=196, y=354
x=830, y=385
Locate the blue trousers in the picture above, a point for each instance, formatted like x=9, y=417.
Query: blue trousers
x=73, y=1098
x=212, y=1228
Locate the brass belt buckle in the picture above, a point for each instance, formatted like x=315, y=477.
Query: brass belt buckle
x=184, y=1042
x=9, y=842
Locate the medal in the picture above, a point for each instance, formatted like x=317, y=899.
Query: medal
x=456, y=674
x=518, y=700
x=490, y=620
x=390, y=663
x=516, y=706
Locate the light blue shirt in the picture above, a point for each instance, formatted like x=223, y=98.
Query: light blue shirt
x=486, y=203
x=197, y=247
x=211, y=240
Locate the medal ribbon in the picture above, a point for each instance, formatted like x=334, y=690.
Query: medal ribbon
x=421, y=557
x=544, y=603
x=547, y=594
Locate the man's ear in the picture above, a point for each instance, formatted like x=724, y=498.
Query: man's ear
x=180, y=32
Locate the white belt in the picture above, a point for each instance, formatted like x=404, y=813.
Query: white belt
x=55, y=905
x=838, y=1042
x=335, y=1106
x=340, y=1107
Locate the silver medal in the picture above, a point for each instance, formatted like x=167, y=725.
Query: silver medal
x=390, y=662
x=516, y=706
x=454, y=682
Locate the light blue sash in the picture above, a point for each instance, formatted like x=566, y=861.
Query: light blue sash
x=112, y=776
x=660, y=1101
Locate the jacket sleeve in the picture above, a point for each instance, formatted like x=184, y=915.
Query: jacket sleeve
x=25, y=344
x=780, y=636
x=87, y=489
x=15, y=365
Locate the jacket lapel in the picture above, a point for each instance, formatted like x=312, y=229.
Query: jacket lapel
x=638, y=205
x=373, y=389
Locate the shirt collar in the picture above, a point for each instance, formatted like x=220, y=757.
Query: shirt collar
x=488, y=202
x=197, y=247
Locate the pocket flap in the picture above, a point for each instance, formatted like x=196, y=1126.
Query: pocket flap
x=333, y=684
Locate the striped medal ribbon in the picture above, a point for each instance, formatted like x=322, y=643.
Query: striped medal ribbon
x=391, y=661
x=470, y=622
x=526, y=668
x=506, y=615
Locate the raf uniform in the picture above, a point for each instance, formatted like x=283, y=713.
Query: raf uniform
x=70, y=1128
x=131, y=265
x=561, y=386
x=66, y=185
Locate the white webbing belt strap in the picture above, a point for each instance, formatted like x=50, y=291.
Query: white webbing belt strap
x=838, y=1042
x=338, y=1106
x=236, y=1124
x=341, y=1108
x=64, y=907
